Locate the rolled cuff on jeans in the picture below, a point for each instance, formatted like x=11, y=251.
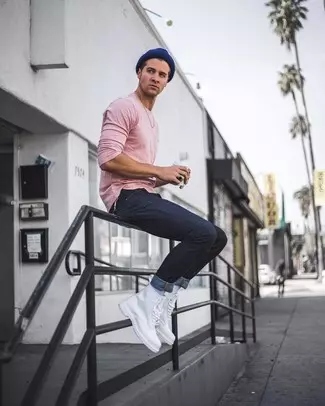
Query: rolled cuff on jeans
x=182, y=282
x=161, y=285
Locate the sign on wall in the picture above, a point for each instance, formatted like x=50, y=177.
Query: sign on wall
x=270, y=184
x=271, y=211
x=319, y=187
x=271, y=207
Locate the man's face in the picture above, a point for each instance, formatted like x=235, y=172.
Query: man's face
x=153, y=77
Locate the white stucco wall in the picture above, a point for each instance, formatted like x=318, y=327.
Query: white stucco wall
x=67, y=192
x=104, y=39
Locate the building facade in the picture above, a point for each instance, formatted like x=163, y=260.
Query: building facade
x=250, y=225
x=236, y=204
x=53, y=92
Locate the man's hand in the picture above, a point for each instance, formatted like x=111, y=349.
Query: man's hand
x=174, y=174
x=160, y=183
x=125, y=166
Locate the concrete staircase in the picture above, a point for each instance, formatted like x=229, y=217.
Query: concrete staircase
x=205, y=373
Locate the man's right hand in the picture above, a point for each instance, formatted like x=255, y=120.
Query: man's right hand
x=174, y=174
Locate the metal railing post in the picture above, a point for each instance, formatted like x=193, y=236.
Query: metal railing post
x=1, y=385
x=136, y=284
x=175, y=349
x=243, y=317
x=253, y=314
x=230, y=303
x=212, y=307
x=91, y=314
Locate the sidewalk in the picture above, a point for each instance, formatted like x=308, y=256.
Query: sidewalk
x=288, y=366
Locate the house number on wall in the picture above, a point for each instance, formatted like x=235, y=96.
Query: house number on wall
x=79, y=172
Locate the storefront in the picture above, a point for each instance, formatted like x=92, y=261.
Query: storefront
x=226, y=189
x=225, y=174
x=235, y=204
x=250, y=214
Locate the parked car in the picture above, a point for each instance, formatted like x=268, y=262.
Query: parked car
x=266, y=275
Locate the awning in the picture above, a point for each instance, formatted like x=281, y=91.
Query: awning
x=227, y=173
x=247, y=212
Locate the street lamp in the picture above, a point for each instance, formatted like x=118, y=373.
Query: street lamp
x=168, y=22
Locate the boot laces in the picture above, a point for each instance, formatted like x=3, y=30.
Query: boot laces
x=157, y=310
x=171, y=305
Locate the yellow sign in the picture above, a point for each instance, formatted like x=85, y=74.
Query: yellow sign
x=319, y=188
x=271, y=211
x=269, y=183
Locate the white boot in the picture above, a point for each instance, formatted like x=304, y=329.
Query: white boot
x=164, y=328
x=144, y=310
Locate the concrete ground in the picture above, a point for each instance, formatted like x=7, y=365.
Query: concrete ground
x=112, y=360
x=288, y=366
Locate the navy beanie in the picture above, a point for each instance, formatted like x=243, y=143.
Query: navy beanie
x=158, y=53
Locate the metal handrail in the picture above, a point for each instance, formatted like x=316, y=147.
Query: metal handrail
x=125, y=271
x=119, y=271
x=77, y=271
x=240, y=274
x=78, y=253
x=86, y=283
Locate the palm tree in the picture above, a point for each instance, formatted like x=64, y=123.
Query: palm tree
x=303, y=196
x=289, y=80
x=298, y=127
x=286, y=16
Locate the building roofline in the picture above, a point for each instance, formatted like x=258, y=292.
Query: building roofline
x=219, y=133
x=240, y=157
x=144, y=17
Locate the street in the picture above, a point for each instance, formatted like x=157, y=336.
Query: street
x=303, y=286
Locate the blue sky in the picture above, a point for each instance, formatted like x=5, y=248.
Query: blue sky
x=231, y=49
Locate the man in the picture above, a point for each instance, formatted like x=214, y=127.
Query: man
x=126, y=155
x=280, y=276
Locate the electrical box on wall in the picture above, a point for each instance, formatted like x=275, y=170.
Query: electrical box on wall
x=34, y=182
x=34, y=211
x=34, y=245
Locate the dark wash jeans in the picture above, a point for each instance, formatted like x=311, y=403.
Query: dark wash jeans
x=200, y=240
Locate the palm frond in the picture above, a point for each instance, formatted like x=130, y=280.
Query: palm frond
x=286, y=17
x=298, y=126
x=289, y=79
x=303, y=196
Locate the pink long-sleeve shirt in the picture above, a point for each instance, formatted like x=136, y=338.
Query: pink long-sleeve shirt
x=130, y=128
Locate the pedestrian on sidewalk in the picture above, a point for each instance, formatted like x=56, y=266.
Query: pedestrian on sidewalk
x=280, y=276
x=126, y=155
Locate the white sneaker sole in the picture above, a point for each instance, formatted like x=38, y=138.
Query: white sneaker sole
x=164, y=338
x=125, y=309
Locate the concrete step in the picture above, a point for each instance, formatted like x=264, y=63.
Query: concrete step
x=114, y=359
x=205, y=374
